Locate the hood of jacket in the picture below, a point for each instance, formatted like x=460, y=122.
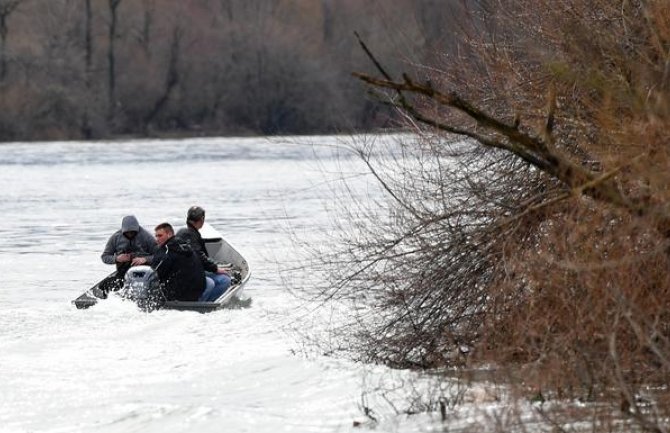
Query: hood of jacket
x=130, y=224
x=177, y=246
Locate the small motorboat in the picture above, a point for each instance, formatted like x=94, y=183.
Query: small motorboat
x=141, y=285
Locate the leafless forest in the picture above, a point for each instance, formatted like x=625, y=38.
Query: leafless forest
x=100, y=68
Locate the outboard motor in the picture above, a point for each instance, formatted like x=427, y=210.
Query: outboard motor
x=141, y=285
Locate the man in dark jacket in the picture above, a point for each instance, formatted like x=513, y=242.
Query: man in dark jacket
x=129, y=246
x=195, y=219
x=178, y=267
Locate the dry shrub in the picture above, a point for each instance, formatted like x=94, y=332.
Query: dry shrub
x=586, y=304
x=544, y=248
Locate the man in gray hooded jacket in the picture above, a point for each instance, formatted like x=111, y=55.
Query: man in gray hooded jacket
x=132, y=245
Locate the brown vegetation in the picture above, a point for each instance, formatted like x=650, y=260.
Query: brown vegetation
x=541, y=244
x=87, y=69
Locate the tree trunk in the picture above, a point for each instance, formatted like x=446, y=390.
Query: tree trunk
x=3, y=47
x=88, y=57
x=171, y=80
x=6, y=9
x=111, y=59
x=327, y=11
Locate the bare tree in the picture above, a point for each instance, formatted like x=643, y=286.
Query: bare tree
x=172, y=78
x=88, y=66
x=111, y=57
x=7, y=7
x=148, y=18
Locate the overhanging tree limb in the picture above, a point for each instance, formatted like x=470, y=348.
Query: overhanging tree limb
x=539, y=152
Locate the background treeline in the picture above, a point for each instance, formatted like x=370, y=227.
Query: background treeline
x=99, y=68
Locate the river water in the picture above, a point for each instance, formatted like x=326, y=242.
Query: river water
x=112, y=368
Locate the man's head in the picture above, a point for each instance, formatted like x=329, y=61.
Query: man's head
x=163, y=233
x=129, y=226
x=195, y=216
